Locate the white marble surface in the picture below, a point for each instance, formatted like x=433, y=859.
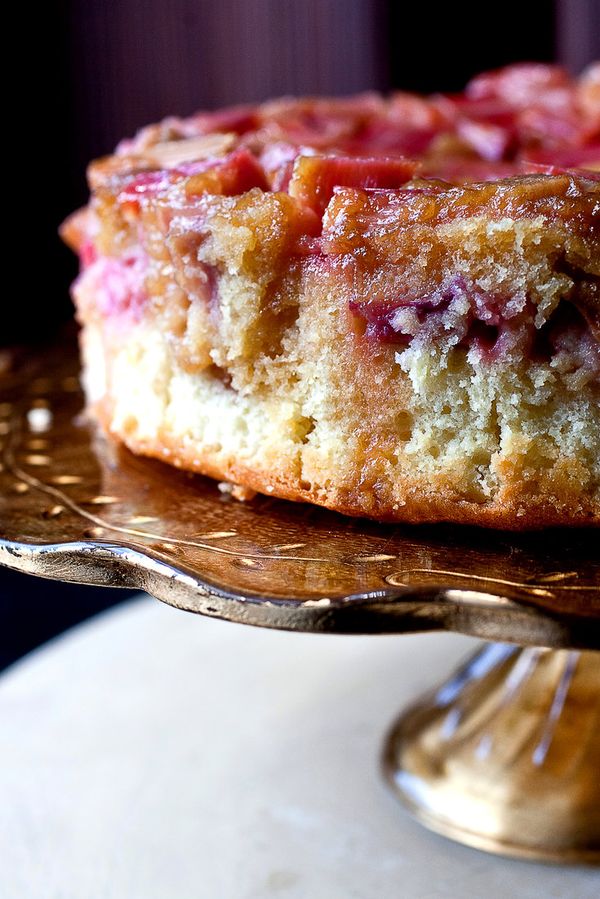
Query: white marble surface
x=151, y=754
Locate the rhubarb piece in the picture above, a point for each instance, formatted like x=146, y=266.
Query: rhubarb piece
x=315, y=177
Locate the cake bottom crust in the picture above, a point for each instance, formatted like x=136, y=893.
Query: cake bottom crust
x=195, y=422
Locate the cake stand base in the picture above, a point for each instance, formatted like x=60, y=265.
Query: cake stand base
x=505, y=756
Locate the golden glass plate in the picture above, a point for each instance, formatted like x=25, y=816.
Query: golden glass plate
x=75, y=507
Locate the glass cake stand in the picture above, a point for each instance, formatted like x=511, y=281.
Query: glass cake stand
x=504, y=756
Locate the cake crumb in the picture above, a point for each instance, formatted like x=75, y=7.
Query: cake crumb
x=237, y=491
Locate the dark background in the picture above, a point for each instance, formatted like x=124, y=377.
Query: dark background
x=99, y=70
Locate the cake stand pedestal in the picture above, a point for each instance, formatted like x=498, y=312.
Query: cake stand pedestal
x=504, y=756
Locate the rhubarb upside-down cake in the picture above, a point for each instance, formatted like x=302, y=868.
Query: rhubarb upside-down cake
x=389, y=306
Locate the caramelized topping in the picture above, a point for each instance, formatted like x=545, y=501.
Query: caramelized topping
x=374, y=218
x=265, y=186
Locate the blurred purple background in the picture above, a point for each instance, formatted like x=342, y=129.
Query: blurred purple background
x=102, y=69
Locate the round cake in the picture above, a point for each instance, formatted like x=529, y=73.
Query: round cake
x=389, y=306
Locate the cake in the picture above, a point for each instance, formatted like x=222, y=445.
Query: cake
x=388, y=306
